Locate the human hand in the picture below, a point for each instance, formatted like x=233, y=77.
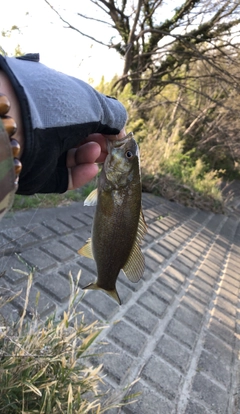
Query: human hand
x=82, y=161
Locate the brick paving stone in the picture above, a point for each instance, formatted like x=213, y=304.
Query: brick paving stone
x=210, y=393
x=173, y=352
x=193, y=304
x=227, y=306
x=178, y=236
x=225, y=284
x=192, y=224
x=128, y=337
x=186, y=229
x=161, y=250
x=124, y=292
x=228, y=296
x=56, y=226
x=147, y=274
x=84, y=315
x=210, y=268
x=232, y=273
x=217, y=260
x=83, y=235
x=221, y=316
x=116, y=363
x=182, y=333
x=88, y=264
x=157, y=257
x=84, y=218
x=150, y=263
x=205, y=278
x=37, y=301
x=133, y=286
x=170, y=221
x=6, y=246
x=194, y=407
x=201, y=285
x=161, y=225
x=173, y=241
x=186, y=316
x=168, y=281
x=201, y=216
x=219, y=349
x=101, y=303
x=85, y=277
x=20, y=236
x=165, y=243
x=214, y=223
x=38, y=259
x=220, y=330
x=181, y=267
x=193, y=250
x=148, y=239
x=70, y=221
x=219, y=251
x=220, y=241
x=209, y=364
x=147, y=401
x=186, y=261
x=58, y=251
x=228, y=228
x=162, y=376
x=232, y=281
x=55, y=285
x=155, y=305
x=152, y=233
x=71, y=241
x=42, y=232
x=162, y=292
x=175, y=274
x=198, y=244
x=197, y=293
x=8, y=315
x=15, y=271
x=142, y=318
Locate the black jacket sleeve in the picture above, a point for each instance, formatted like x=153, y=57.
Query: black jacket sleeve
x=58, y=113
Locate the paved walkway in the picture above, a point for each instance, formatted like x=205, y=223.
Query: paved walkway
x=177, y=329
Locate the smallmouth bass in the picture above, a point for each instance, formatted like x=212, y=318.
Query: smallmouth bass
x=118, y=224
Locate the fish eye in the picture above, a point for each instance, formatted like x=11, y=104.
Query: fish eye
x=129, y=154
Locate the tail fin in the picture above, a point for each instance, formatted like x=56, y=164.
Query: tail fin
x=113, y=293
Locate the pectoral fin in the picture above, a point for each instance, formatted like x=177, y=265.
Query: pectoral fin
x=91, y=200
x=113, y=293
x=86, y=250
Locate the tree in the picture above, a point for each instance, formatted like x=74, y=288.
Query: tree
x=155, y=49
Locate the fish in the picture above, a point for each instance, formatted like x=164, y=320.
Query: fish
x=118, y=224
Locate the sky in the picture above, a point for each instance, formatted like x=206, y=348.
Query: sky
x=60, y=48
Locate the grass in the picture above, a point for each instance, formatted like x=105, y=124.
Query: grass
x=52, y=200
x=178, y=176
x=44, y=367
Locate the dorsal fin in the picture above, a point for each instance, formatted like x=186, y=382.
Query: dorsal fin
x=135, y=265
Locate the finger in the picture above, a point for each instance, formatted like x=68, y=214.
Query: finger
x=86, y=153
x=81, y=175
x=100, y=139
x=119, y=136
